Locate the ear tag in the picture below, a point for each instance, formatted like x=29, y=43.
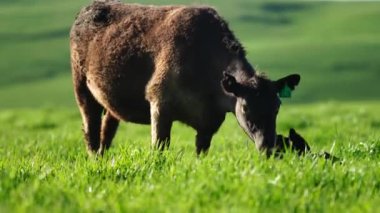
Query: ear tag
x=286, y=92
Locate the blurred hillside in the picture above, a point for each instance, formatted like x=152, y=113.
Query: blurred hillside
x=334, y=46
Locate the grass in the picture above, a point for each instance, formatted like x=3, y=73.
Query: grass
x=44, y=166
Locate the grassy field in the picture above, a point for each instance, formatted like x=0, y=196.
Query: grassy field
x=334, y=46
x=44, y=167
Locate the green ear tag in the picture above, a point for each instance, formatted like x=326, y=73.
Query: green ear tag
x=286, y=92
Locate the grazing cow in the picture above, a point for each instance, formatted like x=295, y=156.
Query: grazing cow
x=155, y=65
x=293, y=142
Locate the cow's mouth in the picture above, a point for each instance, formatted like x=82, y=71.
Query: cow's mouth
x=264, y=139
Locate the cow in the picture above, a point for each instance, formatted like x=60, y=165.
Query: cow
x=294, y=142
x=159, y=64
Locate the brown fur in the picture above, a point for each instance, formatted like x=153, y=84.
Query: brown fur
x=153, y=65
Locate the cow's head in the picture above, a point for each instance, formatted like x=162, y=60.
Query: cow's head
x=257, y=105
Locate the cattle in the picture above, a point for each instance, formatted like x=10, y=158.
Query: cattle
x=293, y=142
x=159, y=64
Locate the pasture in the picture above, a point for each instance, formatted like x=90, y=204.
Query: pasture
x=334, y=46
x=44, y=166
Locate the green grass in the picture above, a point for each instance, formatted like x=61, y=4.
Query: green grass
x=44, y=167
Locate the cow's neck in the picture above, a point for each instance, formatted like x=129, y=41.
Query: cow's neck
x=242, y=70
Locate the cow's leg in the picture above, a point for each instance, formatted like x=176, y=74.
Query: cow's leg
x=91, y=112
x=210, y=126
x=108, y=131
x=203, y=142
x=161, y=124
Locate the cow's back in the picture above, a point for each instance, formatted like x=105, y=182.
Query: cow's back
x=111, y=32
x=123, y=49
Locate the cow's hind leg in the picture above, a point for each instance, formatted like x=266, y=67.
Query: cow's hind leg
x=91, y=112
x=161, y=124
x=109, y=127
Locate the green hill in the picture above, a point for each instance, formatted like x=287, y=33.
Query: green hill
x=334, y=46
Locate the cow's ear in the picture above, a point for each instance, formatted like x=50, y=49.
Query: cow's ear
x=288, y=83
x=230, y=84
x=299, y=143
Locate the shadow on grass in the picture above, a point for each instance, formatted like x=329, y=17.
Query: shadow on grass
x=351, y=66
x=44, y=70
x=267, y=20
x=272, y=13
x=41, y=36
x=283, y=7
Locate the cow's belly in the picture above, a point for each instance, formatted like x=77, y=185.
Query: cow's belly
x=131, y=110
x=124, y=102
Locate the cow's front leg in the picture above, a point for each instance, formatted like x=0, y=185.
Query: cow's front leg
x=161, y=124
x=209, y=126
x=203, y=142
